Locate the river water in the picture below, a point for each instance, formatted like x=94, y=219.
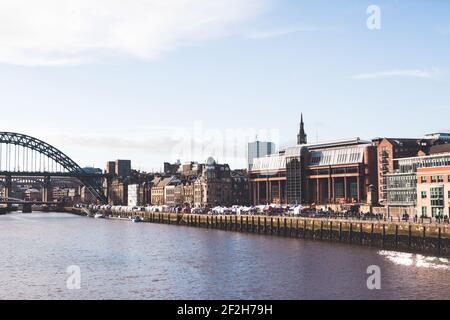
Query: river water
x=125, y=260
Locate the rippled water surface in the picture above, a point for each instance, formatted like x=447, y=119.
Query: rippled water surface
x=125, y=260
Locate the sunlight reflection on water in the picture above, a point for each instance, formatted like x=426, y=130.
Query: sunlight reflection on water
x=415, y=260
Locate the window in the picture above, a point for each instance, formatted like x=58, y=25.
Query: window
x=440, y=179
x=423, y=179
x=433, y=179
x=424, y=211
x=424, y=194
x=437, y=211
x=339, y=190
x=437, y=197
x=448, y=178
x=433, y=212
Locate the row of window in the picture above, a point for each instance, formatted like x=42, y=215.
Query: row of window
x=435, y=193
x=434, y=211
x=434, y=179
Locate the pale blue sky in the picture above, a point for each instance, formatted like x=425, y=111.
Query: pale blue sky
x=254, y=71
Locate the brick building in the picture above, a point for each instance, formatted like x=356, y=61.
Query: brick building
x=389, y=149
x=158, y=190
x=433, y=191
x=213, y=187
x=337, y=172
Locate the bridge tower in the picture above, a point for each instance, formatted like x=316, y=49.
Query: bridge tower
x=8, y=189
x=47, y=193
x=8, y=186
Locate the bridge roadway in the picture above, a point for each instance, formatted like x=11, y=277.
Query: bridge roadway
x=53, y=174
x=8, y=177
x=39, y=203
x=27, y=206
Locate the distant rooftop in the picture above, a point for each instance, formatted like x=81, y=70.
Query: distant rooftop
x=345, y=151
x=417, y=158
x=440, y=148
x=327, y=144
x=441, y=133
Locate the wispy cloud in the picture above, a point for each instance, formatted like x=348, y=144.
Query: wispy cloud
x=274, y=33
x=399, y=73
x=159, y=142
x=64, y=32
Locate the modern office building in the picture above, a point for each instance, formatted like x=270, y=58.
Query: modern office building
x=389, y=149
x=123, y=168
x=433, y=191
x=420, y=185
x=258, y=149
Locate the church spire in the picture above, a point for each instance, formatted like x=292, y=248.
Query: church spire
x=302, y=137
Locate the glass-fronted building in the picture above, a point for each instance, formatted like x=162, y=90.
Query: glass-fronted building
x=421, y=183
x=259, y=149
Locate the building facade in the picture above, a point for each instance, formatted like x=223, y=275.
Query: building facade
x=110, y=167
x=339, y=172
x=171, y=168
x=214, y=186
x=420, y=186
x=158, y=190
x=433, y=191
x=201, y=185
x=390, y=149
x=123, y=168
x=240, y=194
x=135, y=195
x=268, y=180
x=118, y=192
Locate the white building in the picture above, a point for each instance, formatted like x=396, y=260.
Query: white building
x=134, y=195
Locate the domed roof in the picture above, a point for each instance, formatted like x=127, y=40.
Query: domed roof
x=210, y=161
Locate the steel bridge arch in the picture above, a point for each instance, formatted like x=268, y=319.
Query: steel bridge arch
x=58, y=156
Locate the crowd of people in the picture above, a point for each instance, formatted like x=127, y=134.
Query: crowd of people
x=268, y=210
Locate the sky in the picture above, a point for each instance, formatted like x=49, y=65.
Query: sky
x=161, y=80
